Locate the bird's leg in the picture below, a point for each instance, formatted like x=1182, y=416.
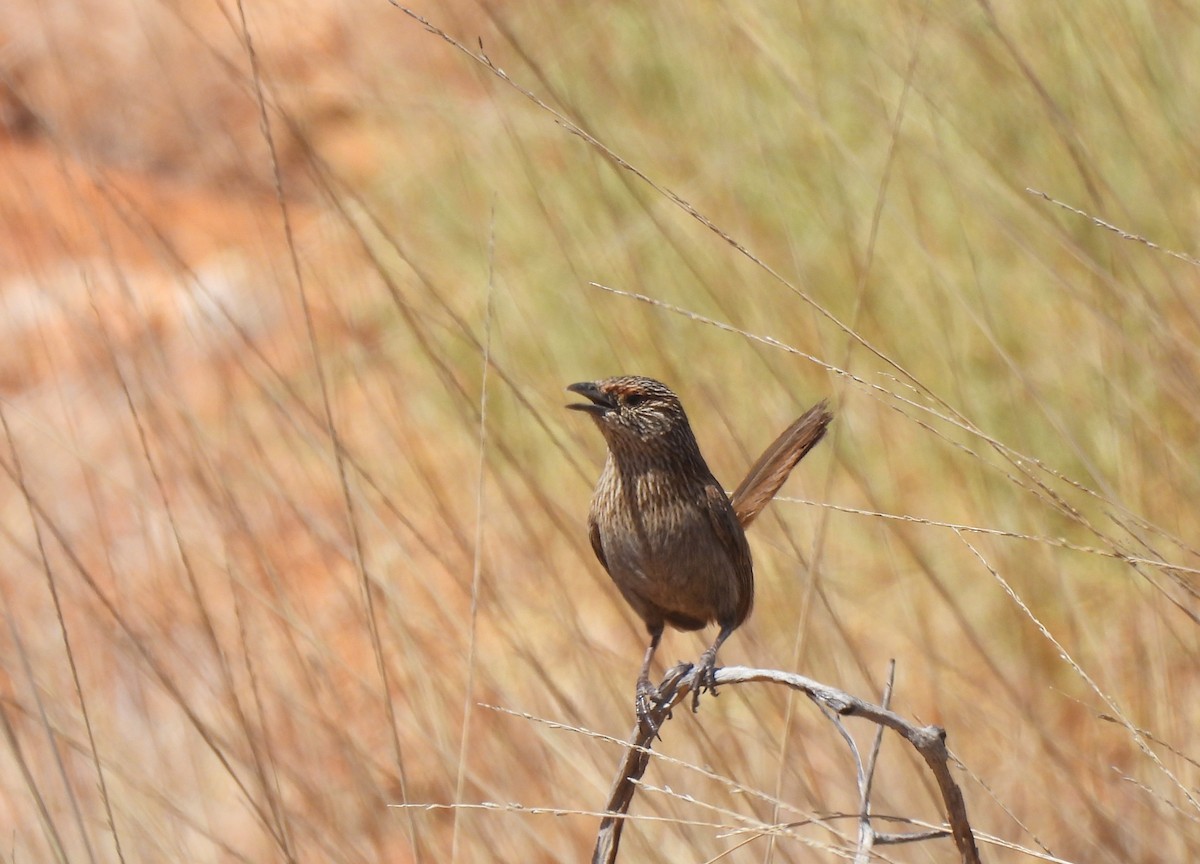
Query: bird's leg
x=647, y=693
x=706, y=673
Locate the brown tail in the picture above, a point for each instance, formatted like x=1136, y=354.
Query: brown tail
x=775, y=464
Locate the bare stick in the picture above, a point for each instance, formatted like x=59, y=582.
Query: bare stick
x=634, y=765
x=928, y=741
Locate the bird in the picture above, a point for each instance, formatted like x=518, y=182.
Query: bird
x=671, y=539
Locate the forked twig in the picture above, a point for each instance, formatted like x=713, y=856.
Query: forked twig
x=928, y=741
x=867, y=835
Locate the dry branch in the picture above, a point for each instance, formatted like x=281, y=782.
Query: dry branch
x=929, y=742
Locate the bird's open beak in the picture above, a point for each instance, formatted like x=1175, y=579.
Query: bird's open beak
x=598, y=401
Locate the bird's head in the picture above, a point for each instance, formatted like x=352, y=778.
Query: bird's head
x=631, y=407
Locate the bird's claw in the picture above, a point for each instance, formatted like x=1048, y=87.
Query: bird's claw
x=705, y=678
x=648, y=704
x=653, y=702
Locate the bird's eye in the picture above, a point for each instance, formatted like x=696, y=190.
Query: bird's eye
x=635, y=399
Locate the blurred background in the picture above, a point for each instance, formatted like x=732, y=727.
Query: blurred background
x=289, y=294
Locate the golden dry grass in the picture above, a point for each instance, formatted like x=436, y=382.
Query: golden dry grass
x=226, y=638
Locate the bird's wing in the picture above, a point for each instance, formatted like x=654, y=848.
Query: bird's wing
x=594, y=536
x=732, y=538
x=724, y=521
x=775, y=464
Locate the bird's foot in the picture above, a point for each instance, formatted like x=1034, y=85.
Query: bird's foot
x=705, y=678
x=647, y=704
x=652, y=701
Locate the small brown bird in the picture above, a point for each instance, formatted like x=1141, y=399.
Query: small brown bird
x=661, y=524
